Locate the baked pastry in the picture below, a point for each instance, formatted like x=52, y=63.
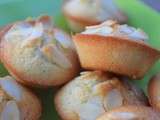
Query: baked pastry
x=131, y=113
x=81, y=13
x=17, y=102
x=93, y=93
x=120, y=49
x=154, y=91
x=37, y=53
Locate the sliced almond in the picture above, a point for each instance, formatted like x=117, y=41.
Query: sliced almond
x=10, y=111
x=113, y=99
x=32, y=36
x=11, y=87
x=55, y=55
x=63, y=38
x=90, y=110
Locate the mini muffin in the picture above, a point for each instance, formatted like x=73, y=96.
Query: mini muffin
x=17, y=102
x=120, y=49
x=81, y=13
x=37, y=53
x=154, y=91
x=94, y=93
x=131, y=113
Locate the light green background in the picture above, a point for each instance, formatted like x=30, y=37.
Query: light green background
x=139, y=16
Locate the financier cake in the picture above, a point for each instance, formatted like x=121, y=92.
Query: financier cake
x=116, y=48
x=37, y=53
x=17, y=102
x=94, y=93
x=154, y=91
x=81, y=13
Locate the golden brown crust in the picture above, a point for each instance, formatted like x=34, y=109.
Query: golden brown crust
x=153, y=91
x=115, y=54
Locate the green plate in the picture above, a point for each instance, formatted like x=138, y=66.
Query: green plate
x=139, y=15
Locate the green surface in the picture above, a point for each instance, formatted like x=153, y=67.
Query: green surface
x=139, y=16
